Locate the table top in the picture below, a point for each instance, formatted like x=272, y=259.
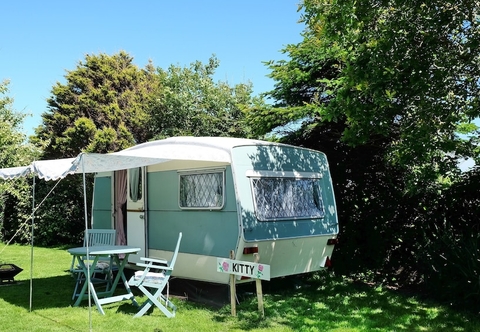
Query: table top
x=104, y=250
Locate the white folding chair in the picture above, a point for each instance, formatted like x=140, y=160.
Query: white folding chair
x=104, y=266
x=152, y=281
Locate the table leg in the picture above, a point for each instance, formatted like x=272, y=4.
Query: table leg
x=83, y=292
x=110, y=298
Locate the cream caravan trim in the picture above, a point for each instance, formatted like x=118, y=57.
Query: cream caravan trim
x=283, y=174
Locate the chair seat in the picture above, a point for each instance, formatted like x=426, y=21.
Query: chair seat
x=103, y=265
x=151, y=277
x=100, y=267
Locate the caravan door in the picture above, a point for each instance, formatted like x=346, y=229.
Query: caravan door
x=136, y=216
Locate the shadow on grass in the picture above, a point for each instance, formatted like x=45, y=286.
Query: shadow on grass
x=332, y=303
x=51, y=292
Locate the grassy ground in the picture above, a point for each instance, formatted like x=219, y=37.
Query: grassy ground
x=320, y=303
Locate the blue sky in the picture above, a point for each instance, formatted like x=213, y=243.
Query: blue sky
x=40, y=40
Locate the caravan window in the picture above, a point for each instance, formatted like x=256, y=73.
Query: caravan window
x=279, y=198
x=202, y=190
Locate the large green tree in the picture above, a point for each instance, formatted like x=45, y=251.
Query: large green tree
x=101, y=107
x=191, y=103
x=405, y=71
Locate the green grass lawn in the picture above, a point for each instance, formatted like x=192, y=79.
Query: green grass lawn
x=320, y=303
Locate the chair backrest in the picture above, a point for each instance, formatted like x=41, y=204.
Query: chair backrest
x=99, y=237
x=175, y=253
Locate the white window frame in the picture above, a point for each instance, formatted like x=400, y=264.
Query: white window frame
x=202, y=172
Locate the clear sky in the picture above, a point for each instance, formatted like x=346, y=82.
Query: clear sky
x=40, y=40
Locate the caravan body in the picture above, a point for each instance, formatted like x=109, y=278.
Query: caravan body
x=224, y=194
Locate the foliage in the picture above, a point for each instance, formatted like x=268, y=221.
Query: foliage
x=100, y=108
x=60, y=219
x=15, y=197
x=14, y=150
x=450, y=250
x=190, y=103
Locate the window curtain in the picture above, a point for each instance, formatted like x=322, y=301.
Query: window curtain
x=120, y=205
x=134, y=183
x=284, y=198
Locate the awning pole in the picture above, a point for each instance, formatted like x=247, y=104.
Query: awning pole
x=87, y=279
x=31, y=249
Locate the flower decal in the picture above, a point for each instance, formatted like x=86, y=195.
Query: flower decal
x=223, y=267
x=260, y=271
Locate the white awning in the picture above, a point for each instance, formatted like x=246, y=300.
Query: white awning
x=217, y=149
x=14, y=172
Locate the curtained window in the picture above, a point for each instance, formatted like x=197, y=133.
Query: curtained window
x=278, y=198
x=120, y=205
x=135, y=179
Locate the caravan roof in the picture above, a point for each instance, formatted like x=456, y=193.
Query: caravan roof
x=192, y=148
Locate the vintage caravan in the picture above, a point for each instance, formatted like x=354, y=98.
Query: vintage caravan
x=223, y=194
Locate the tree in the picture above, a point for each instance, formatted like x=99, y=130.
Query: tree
x=100, y=108
x=404, y=71
x=15, y=197
x=190, y=103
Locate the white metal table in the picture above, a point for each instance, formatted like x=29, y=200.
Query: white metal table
x=95, y=252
